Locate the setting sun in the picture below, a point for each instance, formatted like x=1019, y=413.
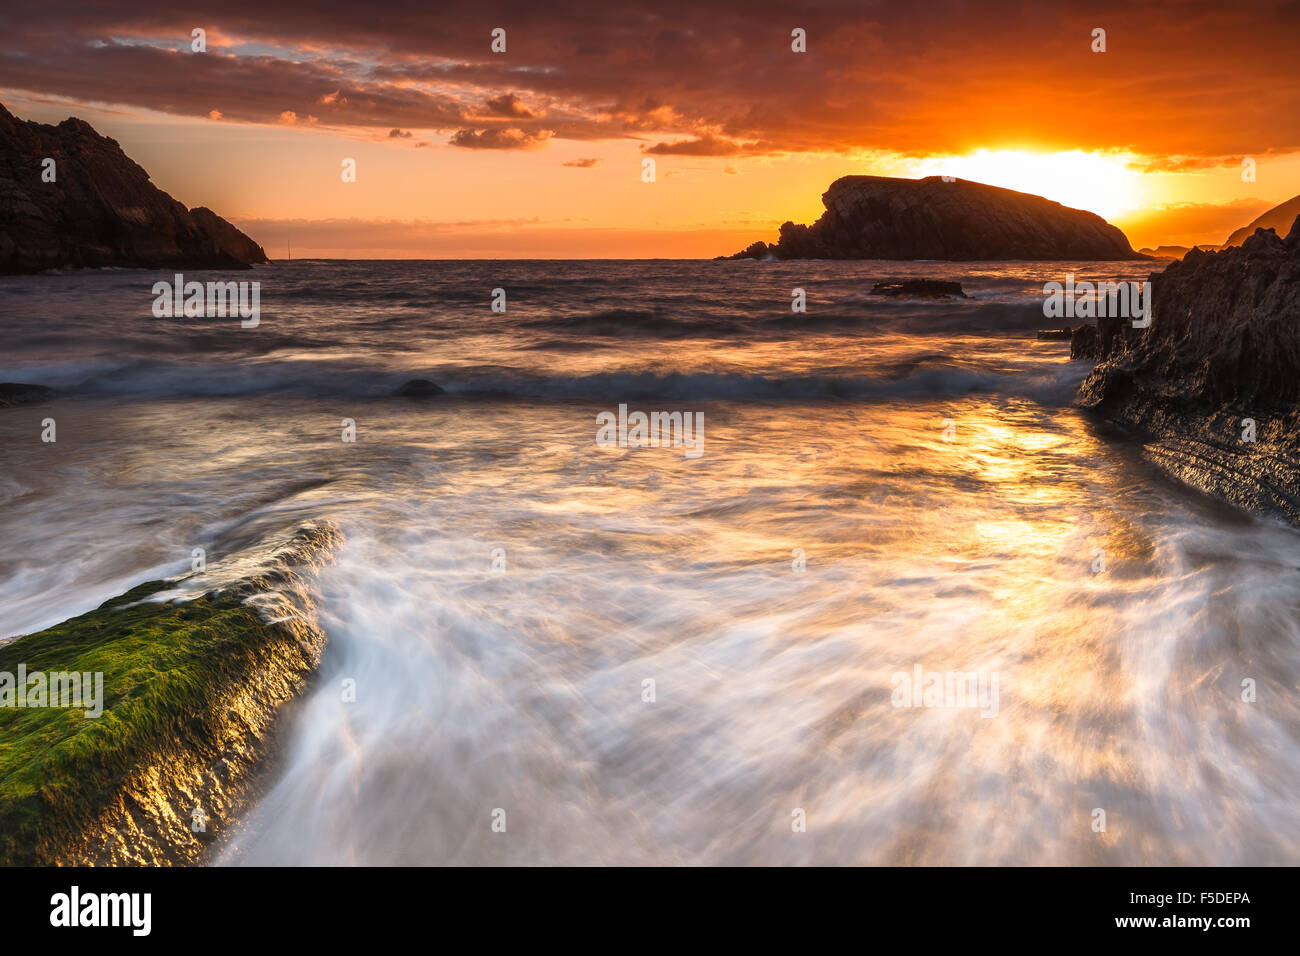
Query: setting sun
x=1103, y=183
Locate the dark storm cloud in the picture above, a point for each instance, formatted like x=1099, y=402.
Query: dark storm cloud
x=1188, y=78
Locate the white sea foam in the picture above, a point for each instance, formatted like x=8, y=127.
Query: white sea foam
x=508, y=589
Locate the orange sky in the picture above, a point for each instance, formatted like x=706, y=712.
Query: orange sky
x=538, y=151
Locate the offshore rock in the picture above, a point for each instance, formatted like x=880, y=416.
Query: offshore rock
x=877, y=217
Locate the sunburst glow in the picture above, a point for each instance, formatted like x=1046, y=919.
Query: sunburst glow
x=1102, y=183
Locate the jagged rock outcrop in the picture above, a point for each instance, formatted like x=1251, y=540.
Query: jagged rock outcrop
x=876, y=217
x=1084, y=343
x=1109, y=337
x=101, y=209
x=1213, y=386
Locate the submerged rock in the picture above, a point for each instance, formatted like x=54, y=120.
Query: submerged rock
x=100, y=210
x=920, y=288
x=1056, y=335
x=17, y=393
x=877, y=217
x=191, y=690
x=419, y=388
x=1213, y=386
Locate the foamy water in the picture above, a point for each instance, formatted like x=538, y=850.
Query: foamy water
x=828, y=538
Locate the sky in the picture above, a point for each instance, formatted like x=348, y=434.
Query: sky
x=539, y=150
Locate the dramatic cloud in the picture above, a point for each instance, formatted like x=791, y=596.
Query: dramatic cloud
x=508, y=105
x=1185, y=78
x=702, y=146
x=583, y=163
x=499, y=138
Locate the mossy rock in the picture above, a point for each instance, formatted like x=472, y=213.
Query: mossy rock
x=190, y=691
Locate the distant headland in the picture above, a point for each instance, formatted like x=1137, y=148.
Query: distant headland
x=877, y=217
x=71, y=199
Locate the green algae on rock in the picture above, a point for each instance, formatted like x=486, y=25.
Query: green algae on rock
x=191, y=690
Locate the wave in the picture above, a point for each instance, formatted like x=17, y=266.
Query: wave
x=929, y=374
x=627, y=322
x=853, y=314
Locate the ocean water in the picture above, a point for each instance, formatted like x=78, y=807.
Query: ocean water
x=882, y=485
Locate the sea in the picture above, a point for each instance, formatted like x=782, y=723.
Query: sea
x=553, y=640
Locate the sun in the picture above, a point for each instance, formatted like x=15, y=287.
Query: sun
x=1103, y=183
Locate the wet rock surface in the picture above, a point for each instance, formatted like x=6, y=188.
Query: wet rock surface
x=920, y=288
x=195, y=673
x=1213, y=386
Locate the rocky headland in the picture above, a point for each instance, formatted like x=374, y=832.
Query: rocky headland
x=1279, y=219
x=100, y=209
x=877, y=217
x=1212, y=387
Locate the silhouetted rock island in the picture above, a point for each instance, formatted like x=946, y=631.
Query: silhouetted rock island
x=876, y=217
x=100, y=209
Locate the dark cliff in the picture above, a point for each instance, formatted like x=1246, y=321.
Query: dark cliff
x=101, y=210
x=1213, y=386
x=875, y=217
